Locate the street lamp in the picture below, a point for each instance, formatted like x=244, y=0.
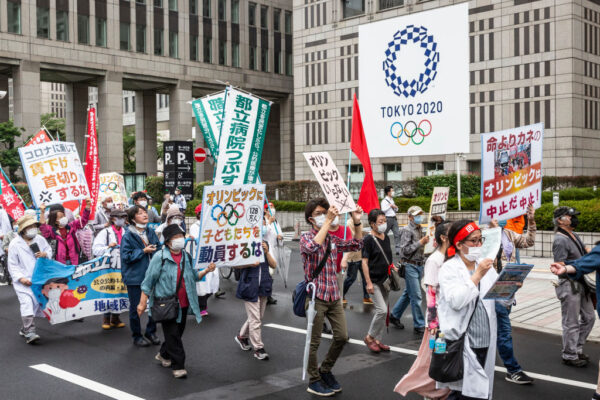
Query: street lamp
x=459, y=157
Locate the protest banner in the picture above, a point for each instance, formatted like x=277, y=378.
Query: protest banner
x=92, y=161
x=209, y=115
x=331, y=182
x=230, y=225
x=54, y=173
x=438, y=208
x=242, y=138
x=9, y=197
x=506, y=286
x=113, y=185
x=41, y=137
x=511, y=172
x=67, y=292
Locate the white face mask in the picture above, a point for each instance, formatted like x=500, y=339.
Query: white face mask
x=141, y=226
x=63, y=222
x=381, y=228
x=120, y=222
x=31, y=232
x=143, y=203
x=177, y=244
x=336, y=221
x=272, y=212
x=320, y=220
x=176, y=221
x=474, y=253
x=110, y=205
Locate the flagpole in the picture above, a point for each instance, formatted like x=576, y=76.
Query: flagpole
x=349, y=165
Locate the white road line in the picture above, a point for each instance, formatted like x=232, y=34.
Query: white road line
x=84, y=382
x=542, y=377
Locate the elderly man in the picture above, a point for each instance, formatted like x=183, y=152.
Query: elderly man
x=102, y=218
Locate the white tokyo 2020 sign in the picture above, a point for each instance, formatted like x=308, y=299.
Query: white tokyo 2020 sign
x=414, y=83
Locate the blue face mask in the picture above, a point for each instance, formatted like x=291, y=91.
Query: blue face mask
x=263, y=229
x=502, y=223
x=418, y=219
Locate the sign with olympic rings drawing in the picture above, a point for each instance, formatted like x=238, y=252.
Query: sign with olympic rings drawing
x=231, y=220
x=113, y=185
x=414, y=83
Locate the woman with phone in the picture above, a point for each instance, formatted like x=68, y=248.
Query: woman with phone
x=23, y=251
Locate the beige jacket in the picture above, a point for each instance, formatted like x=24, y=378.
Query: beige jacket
x=520, y=241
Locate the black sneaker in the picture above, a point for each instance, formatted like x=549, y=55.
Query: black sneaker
x=261, y=354
x=396, y=322
x=141, y=342
x=319, y=388
x=330, y=381
x=271, y=300
x=583, y=356
x=520, y=378
x=575, y=363
x=243, y=342
x=596, y=396
x=152, y=338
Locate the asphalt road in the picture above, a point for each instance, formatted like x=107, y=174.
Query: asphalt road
x=218, y=369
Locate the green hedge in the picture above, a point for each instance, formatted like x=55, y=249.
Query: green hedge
x=470, y=185
x=155, y=187
x=589, y=220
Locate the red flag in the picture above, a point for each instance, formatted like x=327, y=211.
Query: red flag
x=9, y=198
x=40, y=137
x=92, y=161
x=368, y=199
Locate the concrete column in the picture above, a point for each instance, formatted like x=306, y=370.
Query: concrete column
x=4, y=108
x=3, y=16
x=180, y=113
x=204, y=171
x=26, y=89
x=76, y=121
x=145, y=132
x=286, y=134
x=110, y=122
x=52, y=19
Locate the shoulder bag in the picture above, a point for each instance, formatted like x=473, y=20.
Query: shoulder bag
x=394, y=278
x=299, y=293
x=167, y=308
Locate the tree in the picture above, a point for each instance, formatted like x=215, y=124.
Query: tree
x=129, y=149
x=55, y=126
x=9, y=154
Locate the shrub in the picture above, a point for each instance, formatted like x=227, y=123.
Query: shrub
x=199, y=189
x=589, y=220
x=470, y=185
x=191, y=206
x=155, y=187
x=289, y=205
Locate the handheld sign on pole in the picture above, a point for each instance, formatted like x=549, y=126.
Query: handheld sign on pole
x=438, y=208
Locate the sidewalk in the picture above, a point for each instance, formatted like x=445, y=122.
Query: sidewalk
x=537, y=307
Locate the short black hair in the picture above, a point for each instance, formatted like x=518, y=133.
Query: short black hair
x=374, y=214
x=132, y=212
x=441, y=229
x=139, y=195
x=387, y=189
x=312, y=205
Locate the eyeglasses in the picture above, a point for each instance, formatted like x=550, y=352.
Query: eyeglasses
x=477, y=241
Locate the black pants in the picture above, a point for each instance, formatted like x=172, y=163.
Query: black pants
x=203, y=301
x=172, y=347
x=481, y=355
x=134, y=292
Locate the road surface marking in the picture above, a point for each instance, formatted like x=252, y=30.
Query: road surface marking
x=84, y=382
x=395, y=349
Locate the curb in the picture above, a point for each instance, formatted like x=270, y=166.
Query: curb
x=592, y=339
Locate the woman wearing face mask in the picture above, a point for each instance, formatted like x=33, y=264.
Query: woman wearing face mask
x=210, y=284
x=58, y=228
x=106, y=240
x=377, y=259
x=171, y=273
x=464, y=280
x=174, y=217
x=21, y=263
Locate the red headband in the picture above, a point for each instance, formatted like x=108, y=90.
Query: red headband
x=461, y=235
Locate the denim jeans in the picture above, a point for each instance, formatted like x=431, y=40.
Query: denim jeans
x=412, y=295
x=504, y=341
x=354, y=267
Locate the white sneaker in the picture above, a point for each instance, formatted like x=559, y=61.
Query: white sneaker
x=179, y=373
x=31, y=337
x=163, y=361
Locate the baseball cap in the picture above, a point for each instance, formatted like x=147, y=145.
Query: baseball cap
x=415, y=210
x=562, y=211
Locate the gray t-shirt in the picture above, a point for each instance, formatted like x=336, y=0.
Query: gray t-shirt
x=479, y=328
x=564, y=249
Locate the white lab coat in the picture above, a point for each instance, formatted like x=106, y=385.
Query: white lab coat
x=210, y=283
x=101, y=241
x=21, y=263
x=5, y=226
x=456, y=302
x=270, y=237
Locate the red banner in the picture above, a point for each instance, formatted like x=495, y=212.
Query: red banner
x=9, y=199
x=40, y=137
x=92, y=161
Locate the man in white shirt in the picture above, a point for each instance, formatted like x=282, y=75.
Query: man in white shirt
x=390, y=209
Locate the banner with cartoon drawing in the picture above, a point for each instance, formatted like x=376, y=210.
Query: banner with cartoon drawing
x=67, y=292
x=231, y=222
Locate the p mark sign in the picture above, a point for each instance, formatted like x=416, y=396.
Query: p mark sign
x=178, y=156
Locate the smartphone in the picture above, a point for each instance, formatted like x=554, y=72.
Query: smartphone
x=34, y=247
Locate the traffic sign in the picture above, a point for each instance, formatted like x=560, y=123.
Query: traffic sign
x=200, y=155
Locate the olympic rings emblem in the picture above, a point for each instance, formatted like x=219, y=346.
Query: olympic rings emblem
x=410, y=130
x=229, y=214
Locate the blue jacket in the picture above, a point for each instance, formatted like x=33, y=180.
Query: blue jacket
x=156, y=284
x=134, y=262
x=255, y=282
x=586, y=264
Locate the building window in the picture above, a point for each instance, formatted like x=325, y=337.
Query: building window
x=83, y=29
x=158, y=42
x=433, y=168
x=392, y=172
x=383, y=4
x=13, y=15
x=264, y=60
x=140, y=38
x=357, y=173
x=172, y=5
x=235, y=55
x=62, y=25
x=277, y=62
x=206, y=8
x=100, y=32
x=235, y=11
x=352, y=8
x=194, y=7
x=252, y=58
x=288, y=64
x=173, y=45
x=474, y=167
x=158, y=4
x=194, y=48
x=252, y=14
x=133, y=103
x=207, y=48
x=126, y=105
x=221, y=9
x=288, y=22
x=43, y=22
x=222, y=52
x=277, y=20
x=264, y=12
x=124, y=38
